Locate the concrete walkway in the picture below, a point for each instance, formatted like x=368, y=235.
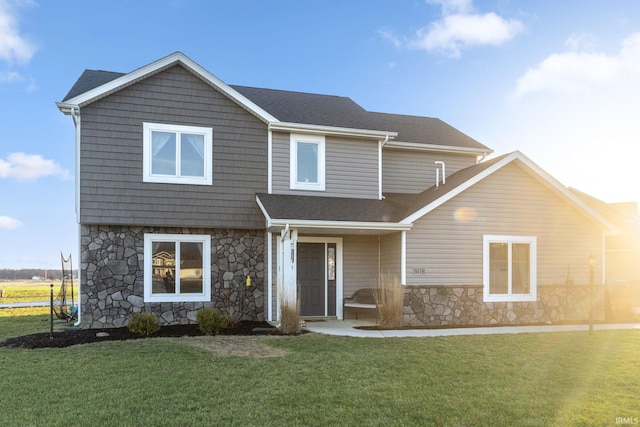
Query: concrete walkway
x=347, y=328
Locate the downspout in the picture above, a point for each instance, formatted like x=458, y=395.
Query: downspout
x=75, y=115
x=269, y=161
x=380, y=145
x=270, y=276
x=403, y=258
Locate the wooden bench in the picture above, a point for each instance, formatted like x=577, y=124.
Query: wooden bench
x=362, y=299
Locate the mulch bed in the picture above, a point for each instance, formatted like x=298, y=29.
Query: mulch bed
x=86, y=336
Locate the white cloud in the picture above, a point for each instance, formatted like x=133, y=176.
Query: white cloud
x=29, y=167
x=14, y=47
x=453, y=6
x=458, y=29
x=579, y=41
x=8, y=223
x=10, y=77
x=579, y=71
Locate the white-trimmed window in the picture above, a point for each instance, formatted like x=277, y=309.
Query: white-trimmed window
x=177, y=154
x=177, y=267
x=307, y=162
x=509, y=266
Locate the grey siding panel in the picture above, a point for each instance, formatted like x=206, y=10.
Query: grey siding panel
x=112, y=190
x=351, y=167
x=445, y=246
x=406, y=171
x=390, y=248
x=360, y=260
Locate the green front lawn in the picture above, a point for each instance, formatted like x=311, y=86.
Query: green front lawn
x=558, y=379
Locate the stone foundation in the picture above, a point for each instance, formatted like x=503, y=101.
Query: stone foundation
x=112, y=276
x=464, y=306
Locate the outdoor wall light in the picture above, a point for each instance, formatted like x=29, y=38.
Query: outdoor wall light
x=248, y=282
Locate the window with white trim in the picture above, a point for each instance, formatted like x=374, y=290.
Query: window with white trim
x=177, y=154
x=509, y=268
x=307, y=162
x=177, y=267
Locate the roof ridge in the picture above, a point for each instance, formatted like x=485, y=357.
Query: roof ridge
x=291, y=91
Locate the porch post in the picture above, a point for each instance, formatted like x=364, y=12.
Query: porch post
x=287, y=289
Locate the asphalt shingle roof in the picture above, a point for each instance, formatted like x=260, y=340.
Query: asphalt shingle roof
x=323, y=110
x=313, y=208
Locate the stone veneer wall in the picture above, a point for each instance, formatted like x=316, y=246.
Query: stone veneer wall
x=112, y=276
x=464, y=306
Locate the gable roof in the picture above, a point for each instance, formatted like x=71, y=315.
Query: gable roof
x=288, y=110
x=109, y=82
x=458, y=182
x=400, y=211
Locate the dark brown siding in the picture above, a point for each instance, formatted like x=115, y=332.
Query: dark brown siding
x=112, y=187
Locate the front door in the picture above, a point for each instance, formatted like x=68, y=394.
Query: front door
x=311, y=278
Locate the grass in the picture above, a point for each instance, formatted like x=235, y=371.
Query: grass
x=561, y=379
x=29, y=290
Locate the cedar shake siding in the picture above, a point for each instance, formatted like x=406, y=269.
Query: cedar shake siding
x=410, y=171
x=351, y=167
x=113, y=191
x=445, y=246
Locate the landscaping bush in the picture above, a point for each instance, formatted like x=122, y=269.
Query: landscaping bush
x=390, y=299
x=211, y=321
x=289, y=318
x=144, y=324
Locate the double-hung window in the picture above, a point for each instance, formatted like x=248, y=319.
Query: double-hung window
x=177, y=267
x=307, y=162
x=177, y=154
x=509, y=265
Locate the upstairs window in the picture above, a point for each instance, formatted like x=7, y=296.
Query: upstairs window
x=177, y=154
x=307, y=162
x=509, y=268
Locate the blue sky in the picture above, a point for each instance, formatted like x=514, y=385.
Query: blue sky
x=557, y=80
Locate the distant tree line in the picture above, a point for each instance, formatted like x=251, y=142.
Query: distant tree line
x=30, y=273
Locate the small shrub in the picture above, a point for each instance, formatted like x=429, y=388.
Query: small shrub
x=211, y=321
x=390, y=299
x=289, y=318
x=144, y=324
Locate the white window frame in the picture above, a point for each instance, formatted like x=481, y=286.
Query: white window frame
x=533, y=285
x=148, y=128
x=149, y=239
x=319, y=140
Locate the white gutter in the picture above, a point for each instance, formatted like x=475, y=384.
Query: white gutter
x=437, y=148
x=330, y=130
x=337, y=225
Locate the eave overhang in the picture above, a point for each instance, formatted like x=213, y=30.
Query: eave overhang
x=331, y=130
x=400, y=145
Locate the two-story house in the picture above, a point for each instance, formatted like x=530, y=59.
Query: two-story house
x=194, y=193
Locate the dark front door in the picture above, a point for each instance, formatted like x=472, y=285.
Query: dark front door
x=311, y=280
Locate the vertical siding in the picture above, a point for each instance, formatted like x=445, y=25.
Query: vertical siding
x=112, y=187
x=360, y=260
x=351, y=167
x=445, y=246
x=406, y=171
